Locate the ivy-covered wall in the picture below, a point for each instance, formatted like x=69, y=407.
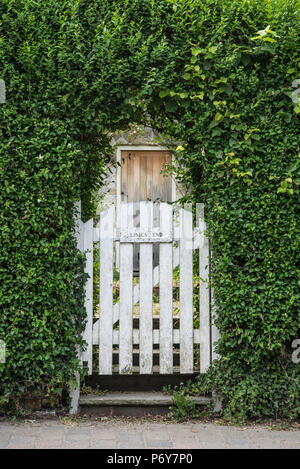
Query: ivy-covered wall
x=201, y=73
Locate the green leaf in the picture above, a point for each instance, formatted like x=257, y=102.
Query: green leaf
x=171, y=106
x=218, y=116
x=164, y=93
x=197, y=51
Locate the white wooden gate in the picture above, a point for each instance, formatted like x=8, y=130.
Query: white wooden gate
x=129, y=336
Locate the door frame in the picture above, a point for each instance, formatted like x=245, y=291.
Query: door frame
x=119, y=168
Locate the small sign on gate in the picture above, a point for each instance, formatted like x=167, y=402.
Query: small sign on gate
x=140, y=236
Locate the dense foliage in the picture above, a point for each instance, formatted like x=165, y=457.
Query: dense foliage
x=216, y=76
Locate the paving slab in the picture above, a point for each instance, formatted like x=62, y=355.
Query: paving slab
x=141, y=433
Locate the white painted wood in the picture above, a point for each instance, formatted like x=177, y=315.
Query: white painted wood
x=136, y=289
x=79, y=226
x=186, y=291
x=136, y=295
x=106, y=291
x=146, y=291
x=166, y=292
x=126, y=296
x=75, y=395
x=135, y=369
x=96, y=234
x=174, y=189
x=176, y=222
x=155, y=336
x=75, y=389
x=204, y=318
x=87, y=355
x=170, y=256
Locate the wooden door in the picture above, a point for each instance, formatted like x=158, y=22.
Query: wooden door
x=142, y=178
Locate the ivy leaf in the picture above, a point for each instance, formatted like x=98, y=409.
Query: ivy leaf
x=213, y=124
x=197, y=51
x=164, y=93
x=246, y=59
x=198, y=96
x=218, y=116
x=171, y=106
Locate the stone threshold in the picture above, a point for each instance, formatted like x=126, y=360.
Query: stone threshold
x=135, y=399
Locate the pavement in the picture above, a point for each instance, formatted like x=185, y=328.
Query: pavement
x=70, y=433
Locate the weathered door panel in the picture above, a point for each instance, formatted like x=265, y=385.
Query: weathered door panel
x=142, y=179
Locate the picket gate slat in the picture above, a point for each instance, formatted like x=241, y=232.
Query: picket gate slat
x=186, y=291
x=166, y=292
x=126, y=294
x=88, y=248
x=146, y=291
x=106, y=291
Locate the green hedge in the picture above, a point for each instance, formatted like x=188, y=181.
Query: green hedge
x=199, y=72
